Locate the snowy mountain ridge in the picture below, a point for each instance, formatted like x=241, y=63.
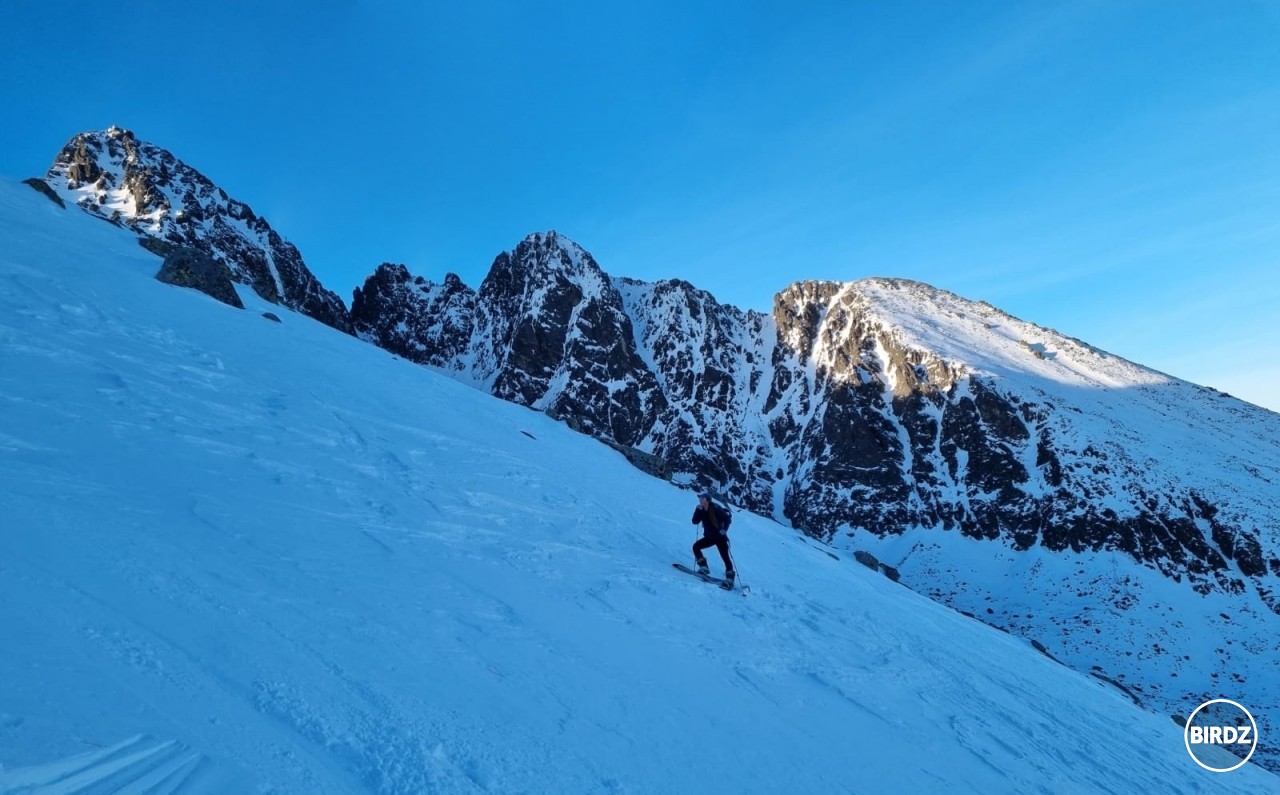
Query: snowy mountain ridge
x=966, y=339
x=243, y=556
x=980, y=338
x=115, y=176
x=888, y=416
x=685, y=354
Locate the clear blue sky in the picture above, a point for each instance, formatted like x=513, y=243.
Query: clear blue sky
x=1110, y=169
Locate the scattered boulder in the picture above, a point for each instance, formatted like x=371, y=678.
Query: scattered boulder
x=873, y=563
x=1040, y=647
x=647, y=463
x=189, y=267
x=1129, y=692
x=867, y=559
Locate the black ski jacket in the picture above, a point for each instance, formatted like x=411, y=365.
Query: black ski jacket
x=713, y=521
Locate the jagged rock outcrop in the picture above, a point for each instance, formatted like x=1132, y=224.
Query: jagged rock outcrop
x=551, y=333
x=426, y=323
x=546, y=329
x=129, y=182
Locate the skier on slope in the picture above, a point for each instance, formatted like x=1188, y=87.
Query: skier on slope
x=715, y=533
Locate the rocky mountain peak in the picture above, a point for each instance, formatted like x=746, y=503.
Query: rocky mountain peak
x=850, y=334
x=542, y=266
x=557, y=248
x=138, y=185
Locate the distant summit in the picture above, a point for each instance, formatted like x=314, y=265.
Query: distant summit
x=547, y=328
x=143, y=187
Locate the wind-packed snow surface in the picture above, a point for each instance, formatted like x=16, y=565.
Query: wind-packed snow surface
x=247, y=557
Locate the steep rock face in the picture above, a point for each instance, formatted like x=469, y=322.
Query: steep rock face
x=844, y=377
x=710, y=364
x=424, y=322
x=136, y=184
x=547, y=329
x=551, y=333
x=1053, y=489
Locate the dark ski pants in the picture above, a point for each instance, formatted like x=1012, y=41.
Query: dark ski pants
x=720, y=542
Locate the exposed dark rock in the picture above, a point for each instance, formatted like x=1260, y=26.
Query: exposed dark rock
x=43, y=187
x=571, y=421
x=424, y=322
x=1040, y=647
x=551, y=333
x=1249, y=555
x=188, y=267
x=161, y=248
x=648, y=463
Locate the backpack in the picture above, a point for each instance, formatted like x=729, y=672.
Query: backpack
x=724, y=517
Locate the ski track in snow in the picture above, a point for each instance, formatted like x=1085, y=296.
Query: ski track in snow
x=137, y=766
x=248, y=557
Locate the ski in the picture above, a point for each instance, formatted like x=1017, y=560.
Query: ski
x=725, y=584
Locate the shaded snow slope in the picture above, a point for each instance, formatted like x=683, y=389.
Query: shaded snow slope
x=241, y=556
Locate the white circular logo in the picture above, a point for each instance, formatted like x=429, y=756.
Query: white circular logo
x=1222, y=732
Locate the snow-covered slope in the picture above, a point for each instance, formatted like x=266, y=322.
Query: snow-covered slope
x=241, y=556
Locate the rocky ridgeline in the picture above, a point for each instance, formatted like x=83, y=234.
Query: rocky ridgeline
x=823, y=414
x=135, y=184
